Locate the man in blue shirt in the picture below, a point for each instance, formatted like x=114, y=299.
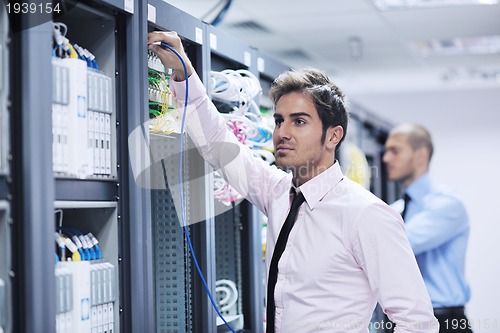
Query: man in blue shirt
x=436, y=223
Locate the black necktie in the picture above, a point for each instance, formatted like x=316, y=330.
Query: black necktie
x=406, y=199
x=298, y=199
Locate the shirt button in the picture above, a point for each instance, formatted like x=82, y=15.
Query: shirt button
x=278, y=310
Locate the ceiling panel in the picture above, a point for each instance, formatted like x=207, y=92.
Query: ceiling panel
x=317, y=33
x=391, y=79
x=295, y=9
x=459, y=21
x=197, y=8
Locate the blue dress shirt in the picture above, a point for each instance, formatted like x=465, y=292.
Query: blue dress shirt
x=438, y=229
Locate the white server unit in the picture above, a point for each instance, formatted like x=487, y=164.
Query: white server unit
x=103, y=297
x=83, y=114
x=100, y=108
x=85, y=296
x=64, y=299
x=74, y=296
x=71, y=155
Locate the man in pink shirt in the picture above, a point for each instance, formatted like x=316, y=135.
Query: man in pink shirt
x=341, y=249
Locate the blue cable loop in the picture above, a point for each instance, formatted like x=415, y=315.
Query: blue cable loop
x=181, y=188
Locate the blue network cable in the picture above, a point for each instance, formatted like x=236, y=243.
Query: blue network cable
x=181, y=188
x=72, y=232
x=222, y=13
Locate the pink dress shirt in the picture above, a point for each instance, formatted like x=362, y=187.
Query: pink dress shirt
x=347, y=250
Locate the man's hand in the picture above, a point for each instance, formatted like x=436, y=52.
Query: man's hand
x=167, y=57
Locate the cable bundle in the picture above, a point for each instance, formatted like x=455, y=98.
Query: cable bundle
x=87, y=56
x=62, y=48
x=76, y=245
x=256, y=135
x=61, y=45
x=224, y=192
x=162, y=106
x=235, y=91
x=73, y=244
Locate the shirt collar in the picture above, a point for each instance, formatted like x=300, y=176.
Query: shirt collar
x=315, y=189
x=420, y=187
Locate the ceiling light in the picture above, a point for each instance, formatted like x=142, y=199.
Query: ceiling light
x=407, y=4
x=455, y=75
x=459, y=46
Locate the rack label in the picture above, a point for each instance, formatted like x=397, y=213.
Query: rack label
x=129, y=6
x=261, y=64
x=247, y=58
x=151, y=13
x=213, y=41
x=199, y=35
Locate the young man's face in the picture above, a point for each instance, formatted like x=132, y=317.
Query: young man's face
x=297, y=137
x=400, y=158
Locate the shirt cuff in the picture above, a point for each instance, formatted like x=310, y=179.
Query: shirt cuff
x=196, y=89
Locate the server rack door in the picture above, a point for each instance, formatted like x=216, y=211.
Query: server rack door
x=5, y=266
x=31, y=172
x=179, y=297
x=5, y=219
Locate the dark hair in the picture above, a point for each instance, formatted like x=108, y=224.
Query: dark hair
x=328, y=99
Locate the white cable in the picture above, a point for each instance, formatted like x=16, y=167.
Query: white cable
x=231, y=293
x=238, y=88
x=225, y=87
x=249, y=128
x=251, y=83
x=59, y=35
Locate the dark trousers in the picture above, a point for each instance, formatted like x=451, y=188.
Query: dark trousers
x=452, y=320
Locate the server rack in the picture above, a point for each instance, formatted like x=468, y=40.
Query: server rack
x=180, y=301
x=91, y=203
x=137, y=313
x=40, y=192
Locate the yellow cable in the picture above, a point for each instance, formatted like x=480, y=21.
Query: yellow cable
x=72, y=52
x=76, y=256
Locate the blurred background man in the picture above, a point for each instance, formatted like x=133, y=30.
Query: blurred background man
x=436, y=223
